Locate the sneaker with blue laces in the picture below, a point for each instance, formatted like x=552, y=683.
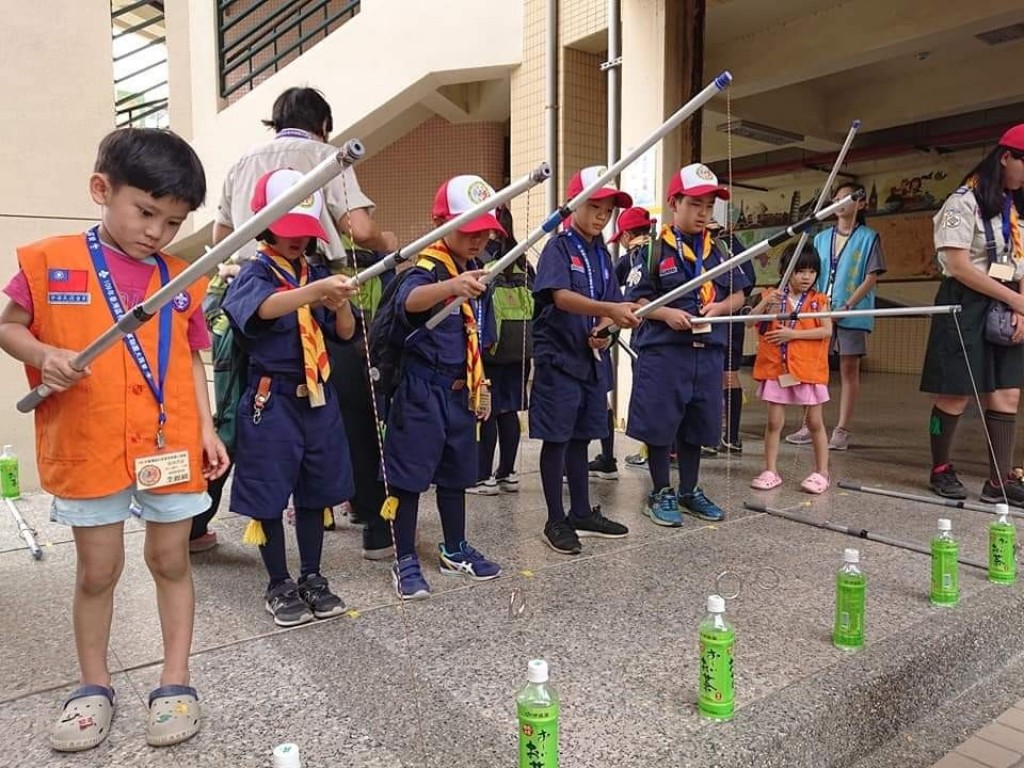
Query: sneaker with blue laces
x=469, y=562
x=663, y=509
x=701, y=506
x=408, y=579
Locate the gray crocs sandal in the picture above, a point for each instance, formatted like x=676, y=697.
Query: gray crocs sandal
x=173, y=715
x=84, y=721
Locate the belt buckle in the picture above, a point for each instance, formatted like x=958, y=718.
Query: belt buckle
x=458, y=384
x=302, y=391
x=699, y=345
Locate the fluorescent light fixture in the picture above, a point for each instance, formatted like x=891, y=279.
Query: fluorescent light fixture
x=762, y=133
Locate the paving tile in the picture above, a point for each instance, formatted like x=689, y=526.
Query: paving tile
x=988, y=754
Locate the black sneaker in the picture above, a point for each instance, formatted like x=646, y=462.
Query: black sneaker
x=604, y=467
x=945, y=483
x=562, y=538
x=726, y=447
x=708, y=452
x=286, y=606
x=597, y=525
x=993, y=494
x=318, y=596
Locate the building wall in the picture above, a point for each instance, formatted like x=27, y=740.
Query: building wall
x=55, y=71
x=403, y=178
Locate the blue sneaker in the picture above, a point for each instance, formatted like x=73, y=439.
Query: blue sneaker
x=701, y=506
x=663, y=509
x=468, y=561
x=408, y=579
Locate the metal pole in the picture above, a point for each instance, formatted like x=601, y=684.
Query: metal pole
x=538, y=175
x=27, y=534
x=131, y=321
x=941, y=309
x=857, y=533
x=988, y=509
x=612, y=65
x=551, y=99
x=822, y=197
x=561, y=214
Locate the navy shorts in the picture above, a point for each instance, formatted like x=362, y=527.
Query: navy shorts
x=508, y=386
x=295, y=450
x=564, y=408
x=430, y=435
x=677, y=389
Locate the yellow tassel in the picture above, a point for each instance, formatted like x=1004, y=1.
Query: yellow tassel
x=389, y=509
x=328, y=517
x=254, y=534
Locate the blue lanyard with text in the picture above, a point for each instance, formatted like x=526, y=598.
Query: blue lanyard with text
x=784, y=346
x=109, y=291
x=1007, y=234
x=834, y=257
x=581, y=249
x=698, y=264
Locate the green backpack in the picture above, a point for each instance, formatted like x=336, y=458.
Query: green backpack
x=230, y=364
x=512, y=300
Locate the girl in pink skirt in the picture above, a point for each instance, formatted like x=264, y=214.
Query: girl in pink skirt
x=792, y=366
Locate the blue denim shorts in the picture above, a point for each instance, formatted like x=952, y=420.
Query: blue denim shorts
x=118, y=507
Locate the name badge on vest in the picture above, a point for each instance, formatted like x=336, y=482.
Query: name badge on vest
x=1001, y=271
x=788, y=380
x=698, y=327
x=162, y=469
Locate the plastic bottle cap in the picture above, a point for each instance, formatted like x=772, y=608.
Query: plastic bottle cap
x=8, y=449
x=1003, y=509
x=945, y=525
x=287, y=756
x=716, y=604
x=851, y=556
x=537, y=671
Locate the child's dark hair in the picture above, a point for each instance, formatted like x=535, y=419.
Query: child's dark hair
x=853, y=188
x=808, y=260
x=266, y=236
x=158, y=162
x=986, y=180
x=302, y=108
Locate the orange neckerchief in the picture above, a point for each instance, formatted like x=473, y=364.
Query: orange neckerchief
x=315, y=363
x=1015, y=235
x=707, y=290
x=474, y=364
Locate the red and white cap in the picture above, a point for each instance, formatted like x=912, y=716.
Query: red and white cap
x=458, y=195
x=301, y=221
x=584, y=177
x=632, y=218
x=696, y=180
x=1014, y=138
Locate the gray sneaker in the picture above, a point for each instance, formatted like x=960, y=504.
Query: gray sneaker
x=315, y=592
x=286, y=606
x=840, y=440
x=801, y=437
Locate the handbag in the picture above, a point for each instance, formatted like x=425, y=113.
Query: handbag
x=999, y=327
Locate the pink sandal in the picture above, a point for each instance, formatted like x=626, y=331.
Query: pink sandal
x=766, y=481
x=816, y=483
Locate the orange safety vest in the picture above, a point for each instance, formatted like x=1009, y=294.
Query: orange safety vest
x=88, y=437
x=807, y=358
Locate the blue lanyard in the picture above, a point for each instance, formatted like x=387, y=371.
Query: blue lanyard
x=117, y=311
x=784, y=346
x=1007, y=235
x=698, y=264
x=582, y=250
x=293, y=133
x=834, y=257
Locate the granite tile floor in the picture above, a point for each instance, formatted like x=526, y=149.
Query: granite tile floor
x=431, y=684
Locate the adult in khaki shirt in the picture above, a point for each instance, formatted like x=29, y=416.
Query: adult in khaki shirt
x=302, y=122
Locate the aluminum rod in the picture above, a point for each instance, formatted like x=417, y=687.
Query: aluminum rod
x=857, y=533
x=558, y=216
x=350, y=152
x=538, y=175
x=27, y=534
x=941, y=309
x=988, y=509
x=551, y=51
x=826, y=190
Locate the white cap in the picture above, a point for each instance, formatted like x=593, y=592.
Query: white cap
x=716, y=604
x=537, y=671
x=945, y=524
x=851, y=556
x=8, y=448
x=1003, y=509
x=287, y=756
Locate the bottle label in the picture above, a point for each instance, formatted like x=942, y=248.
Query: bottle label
x=538, y=736
x=849, y=626
x=1002, y=562
x=715, y=697
x=10, y=487
x=945, y=572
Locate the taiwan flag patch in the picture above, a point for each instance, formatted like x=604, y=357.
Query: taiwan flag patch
x=667, y=266
x=67, y=286
x=576, y=264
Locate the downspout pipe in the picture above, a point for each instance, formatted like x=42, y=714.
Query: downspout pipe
x=551, y=104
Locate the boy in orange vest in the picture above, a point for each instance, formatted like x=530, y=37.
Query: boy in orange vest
x=132, y=433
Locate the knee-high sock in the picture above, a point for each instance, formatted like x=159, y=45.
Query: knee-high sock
x=405, y=522
x=552, y=464
x=1002, y=430
x=659, y=466
x=508, y=443
x=734, y=407
x=942, y=428
x=451, y=505
x=273, y=553
x=485, y=448
x=309, y=533
x=577, y=473
x=608, y=443
x=688, y=457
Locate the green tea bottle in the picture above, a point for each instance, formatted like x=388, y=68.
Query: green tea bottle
x=1002, y=548
x=945, y=566
x=715, y=699
x=10, y=483
x=851, y=590
x=537, y=709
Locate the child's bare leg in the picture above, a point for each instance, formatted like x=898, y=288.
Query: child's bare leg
x=100, y=551
x=772, y=434
x=819, y=438
x=168, y=562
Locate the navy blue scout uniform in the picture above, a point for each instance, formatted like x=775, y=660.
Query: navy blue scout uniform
x=569, y=396
x=290, y=448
